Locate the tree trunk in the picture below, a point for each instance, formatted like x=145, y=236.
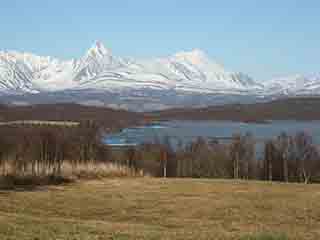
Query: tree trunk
x=236, y=166
x=285, y=169
x=270, y=170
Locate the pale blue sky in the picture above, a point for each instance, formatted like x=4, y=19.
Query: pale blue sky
x=263, y=38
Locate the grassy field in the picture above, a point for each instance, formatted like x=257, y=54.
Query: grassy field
x=147, y=208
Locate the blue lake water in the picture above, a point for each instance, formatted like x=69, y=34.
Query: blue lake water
x=187, y=131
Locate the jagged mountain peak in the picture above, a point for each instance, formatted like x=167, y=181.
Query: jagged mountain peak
x=99, y=50
x=201, y=60
x=99, y=69
x=136, y=82
x=195, y=56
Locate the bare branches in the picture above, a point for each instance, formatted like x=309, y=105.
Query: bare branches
x=43, y=150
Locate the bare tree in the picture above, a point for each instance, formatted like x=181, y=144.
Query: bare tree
x=235, y=149
x=283, y=144
x=269, y=158
x=249, y=155
x=307, y=155
x=242, y=151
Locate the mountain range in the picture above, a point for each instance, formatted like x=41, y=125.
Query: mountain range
x=101, y=78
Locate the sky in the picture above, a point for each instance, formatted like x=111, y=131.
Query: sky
x=265, y=39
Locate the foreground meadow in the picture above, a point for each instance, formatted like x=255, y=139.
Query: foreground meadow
x=149, y=208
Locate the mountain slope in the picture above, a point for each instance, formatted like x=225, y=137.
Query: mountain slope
x=15, y=75
x=295, y=85
x=100, y=70
x=101, y=78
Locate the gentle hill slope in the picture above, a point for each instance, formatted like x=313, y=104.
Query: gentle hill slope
x=284, y=109
x=146, y=208
x=69, y=112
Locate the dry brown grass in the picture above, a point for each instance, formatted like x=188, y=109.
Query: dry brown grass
x=98, y=171
x=80, y=170
x=69, y=174
x=148, y=208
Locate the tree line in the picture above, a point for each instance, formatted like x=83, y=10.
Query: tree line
x=45, y=150
x=27, y=150
x=284, y=158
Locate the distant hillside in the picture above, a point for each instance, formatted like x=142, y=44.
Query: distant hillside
x=295, y=109
x=69, y=112
x=284, y=109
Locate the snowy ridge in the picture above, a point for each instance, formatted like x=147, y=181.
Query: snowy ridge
x=177, y=79
x=15, y=75
x=295, y=85
x=100, y=69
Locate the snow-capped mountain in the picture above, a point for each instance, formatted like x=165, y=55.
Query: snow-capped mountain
x=25, y=73
x=99, y=69
x=15, y=75
x=100, y=77
x=295, y=85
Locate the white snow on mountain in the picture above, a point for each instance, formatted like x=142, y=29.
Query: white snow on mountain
x=99, y=69
x=25, y=72
x=15, y=74
x=295, y=85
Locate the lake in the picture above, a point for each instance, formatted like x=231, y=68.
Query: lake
x=187, y=131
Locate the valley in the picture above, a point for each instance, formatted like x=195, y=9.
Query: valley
x=184, y=120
